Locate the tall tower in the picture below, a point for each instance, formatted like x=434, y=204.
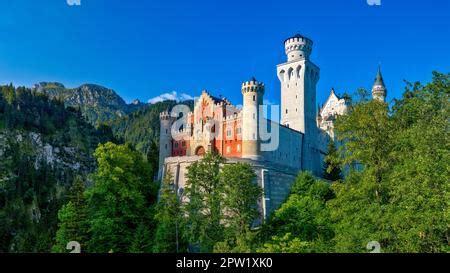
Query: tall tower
x=165, y=140
x=299, y=77
x=252, y=92
x=379, y=90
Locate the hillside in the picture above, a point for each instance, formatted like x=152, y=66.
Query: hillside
x=141, y=128
x=43, y=146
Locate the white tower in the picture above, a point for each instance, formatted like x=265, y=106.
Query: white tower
x=165, y=140
x=252, y=92
x=299, y=77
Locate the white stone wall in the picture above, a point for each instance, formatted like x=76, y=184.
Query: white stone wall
x=275, y=179
x=289, y=148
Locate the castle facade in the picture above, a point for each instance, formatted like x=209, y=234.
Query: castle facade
x=277, y=148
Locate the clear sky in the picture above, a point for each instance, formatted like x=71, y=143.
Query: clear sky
x=144, y=48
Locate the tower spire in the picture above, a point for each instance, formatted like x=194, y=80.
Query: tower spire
x=379, y=77
x=379, y=89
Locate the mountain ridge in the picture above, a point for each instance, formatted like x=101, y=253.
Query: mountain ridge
x=97, y=103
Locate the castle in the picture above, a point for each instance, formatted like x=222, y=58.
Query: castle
x=277, y=148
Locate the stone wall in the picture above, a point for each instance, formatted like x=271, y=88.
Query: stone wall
x=274, y=179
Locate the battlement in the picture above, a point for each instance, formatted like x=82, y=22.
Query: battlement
x=233, y=117
x=253, y=86
x=165, y=115
x=298, y=47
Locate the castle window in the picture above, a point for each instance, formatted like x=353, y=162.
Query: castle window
x=254, y=136
x=239, y=147
x=228, y=149
x=176, y=144
x=167, y=131
x=254, y=98
x=166, y=146
x=183, y=144
x=238, y=130
x=286, y=111
x=254, y=116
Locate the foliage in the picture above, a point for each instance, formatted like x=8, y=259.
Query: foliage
x=285, y=244
x=73, y=222
x=240, y=195
x=168, y=237
x=303, y=218
x=398, y=192
x=204, y=209
x=32, y=186
x=141, y=128
x=331, y=166
x=120, y=200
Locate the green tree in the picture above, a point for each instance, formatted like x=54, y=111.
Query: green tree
x=168, y=237
x=303, y=219
x=240, y=196
x=331, y=166
x=204, y=209
x=73, y=222
x=153, y=158
x=285, y=244
x=120, y=200
x=398, y=193
x=418, y=214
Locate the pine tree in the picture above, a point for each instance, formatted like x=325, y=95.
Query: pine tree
x=73, y=221
x=331, y=167
x=153, y=158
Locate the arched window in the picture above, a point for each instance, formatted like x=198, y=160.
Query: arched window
x=290, y=73
x=298, y=71
x=282, y=75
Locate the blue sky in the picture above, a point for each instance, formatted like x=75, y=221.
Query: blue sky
x=144, y=48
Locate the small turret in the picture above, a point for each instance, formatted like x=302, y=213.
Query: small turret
x=252, y=92
x=379, y=90
x=165, y=139
x=253, y=86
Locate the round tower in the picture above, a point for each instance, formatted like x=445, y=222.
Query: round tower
x=252, y=92
x=298, y=47
x=165, y=140
x=379, y=89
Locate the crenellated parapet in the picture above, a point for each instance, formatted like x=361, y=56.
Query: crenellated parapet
x=253, y=86
x=298, y=47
